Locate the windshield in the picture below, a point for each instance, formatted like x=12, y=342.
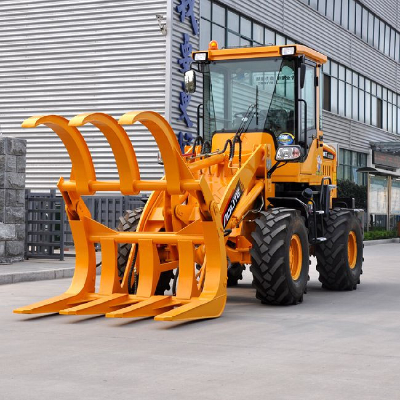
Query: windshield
x=250, y=95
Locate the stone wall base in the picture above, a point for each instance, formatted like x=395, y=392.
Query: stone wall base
x=12, y=199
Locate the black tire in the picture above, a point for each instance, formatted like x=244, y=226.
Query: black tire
x=235, y=271
x=272, y=238
x=333, y=265
x=128, y=223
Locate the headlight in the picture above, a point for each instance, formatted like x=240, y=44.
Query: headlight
x=200, y=56
x=288, y=51
x=288, y=153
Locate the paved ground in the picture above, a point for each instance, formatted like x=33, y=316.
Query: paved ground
x=36, y=270
x=333, y=346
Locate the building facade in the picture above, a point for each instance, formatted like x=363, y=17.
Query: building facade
x=68, y=57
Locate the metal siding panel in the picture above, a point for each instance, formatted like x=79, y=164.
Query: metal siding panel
x=339, y=44
x=309, y=27
x=352, y=134
x=336, y=129
x=68, y=57
x=370, y=62
x=269, y=12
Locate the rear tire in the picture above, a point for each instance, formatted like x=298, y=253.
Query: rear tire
x=340, y=257
x=128, y=223
x=280, y=257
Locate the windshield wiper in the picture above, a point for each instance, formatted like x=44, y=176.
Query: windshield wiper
x=257, y=105
x=243, y=127
x=246, y=120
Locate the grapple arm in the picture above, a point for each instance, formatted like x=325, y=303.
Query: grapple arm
x=194, y=299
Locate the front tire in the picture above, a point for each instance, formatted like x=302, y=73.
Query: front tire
x=280, y=257
x=340, y=257
x=127, y=223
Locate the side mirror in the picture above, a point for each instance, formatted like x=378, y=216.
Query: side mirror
x=190, y=81
x=302, y=75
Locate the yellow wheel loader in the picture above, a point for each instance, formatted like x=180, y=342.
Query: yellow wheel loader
x=257, y=187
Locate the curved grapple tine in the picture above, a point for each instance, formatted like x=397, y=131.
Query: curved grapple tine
x=121, y=146
x=192, y=300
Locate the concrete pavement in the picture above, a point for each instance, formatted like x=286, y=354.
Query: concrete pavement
x=333, y=346
x=42, y=269
x=36, y=270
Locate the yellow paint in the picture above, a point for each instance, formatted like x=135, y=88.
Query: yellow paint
x=259, y=52
x=182, y=222
x=352, y=249
x=295, y=257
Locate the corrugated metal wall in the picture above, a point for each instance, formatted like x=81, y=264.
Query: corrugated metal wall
x=269, y=12
x=72, y=56
x=351, y=134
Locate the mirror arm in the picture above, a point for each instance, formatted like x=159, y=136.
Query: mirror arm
x=272, y=169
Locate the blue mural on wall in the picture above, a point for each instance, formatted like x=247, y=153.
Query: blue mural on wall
x=186, y=10
x=186, y=53
x=183, y=105
x=184, y=139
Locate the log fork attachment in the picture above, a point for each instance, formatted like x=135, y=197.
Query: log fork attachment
x=194, y=299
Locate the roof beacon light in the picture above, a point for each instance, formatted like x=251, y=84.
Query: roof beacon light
x=288, y=51
x=213, y=45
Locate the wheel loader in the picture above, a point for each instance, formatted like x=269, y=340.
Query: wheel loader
x=257, y=188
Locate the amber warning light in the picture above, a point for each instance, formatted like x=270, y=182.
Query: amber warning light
x=213, y=45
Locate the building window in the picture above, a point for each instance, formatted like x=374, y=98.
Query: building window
x=355, y=17
x=352, y=95
x=322, y=6
x=344, y=91
x=349, y=162
x=231, y=29
x=327, y=93
x=352, y=15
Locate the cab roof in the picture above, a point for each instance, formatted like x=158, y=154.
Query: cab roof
x=262, y=51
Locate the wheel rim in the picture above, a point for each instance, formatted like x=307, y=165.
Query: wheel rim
x=352, y=249
x=295, y=257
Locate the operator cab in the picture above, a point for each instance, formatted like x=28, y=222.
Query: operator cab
x=271, y=89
